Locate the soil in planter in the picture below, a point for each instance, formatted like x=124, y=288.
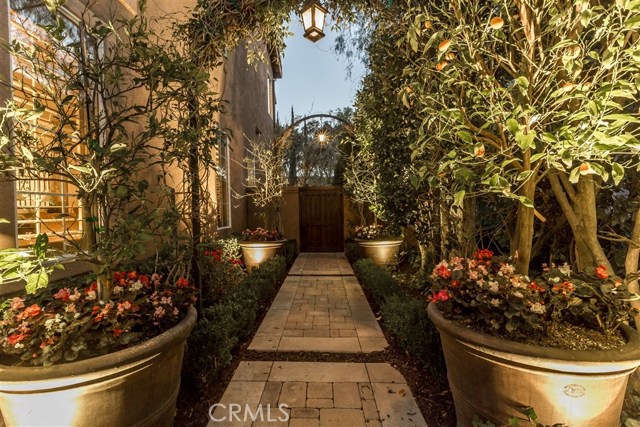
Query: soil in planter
x=563, y=336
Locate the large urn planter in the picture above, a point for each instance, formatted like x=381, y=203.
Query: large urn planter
x=495, y=378
x=254, y=253
x=381, y=252
x=137, y=386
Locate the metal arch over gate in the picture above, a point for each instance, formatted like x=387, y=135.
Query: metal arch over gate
x=321, y=219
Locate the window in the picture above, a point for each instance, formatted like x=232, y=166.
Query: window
x=270, y=96
x=223, y=190
x=46, y=203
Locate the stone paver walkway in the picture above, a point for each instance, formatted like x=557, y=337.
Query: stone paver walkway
x=320, y=307
x=321, y=264
x=320, y=395
x=320, y=313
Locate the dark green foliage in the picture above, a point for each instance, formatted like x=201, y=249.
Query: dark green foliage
x=290, y=249
x=406, y=318
x=378, y=282
x=223, y=325
x=352, y=251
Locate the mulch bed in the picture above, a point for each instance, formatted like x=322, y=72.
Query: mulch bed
x=434, y=401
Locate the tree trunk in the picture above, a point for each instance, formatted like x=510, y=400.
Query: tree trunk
x=578, y=203
x=469, y=226
x=525, y=222
x=445, y=229
x=631, y=264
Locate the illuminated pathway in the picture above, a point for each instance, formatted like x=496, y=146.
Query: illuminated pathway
x=320, y=308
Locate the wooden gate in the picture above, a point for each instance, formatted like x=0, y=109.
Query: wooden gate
x=321, y=221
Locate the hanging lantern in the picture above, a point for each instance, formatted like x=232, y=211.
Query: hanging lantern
x=313, y=17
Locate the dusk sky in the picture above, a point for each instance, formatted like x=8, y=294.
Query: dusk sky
x=314, y=76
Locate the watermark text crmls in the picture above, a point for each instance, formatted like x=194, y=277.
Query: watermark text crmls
x=236, y=412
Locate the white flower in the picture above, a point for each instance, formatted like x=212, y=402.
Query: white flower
x=495, y=302
x=538, y=308
x=117, y=290
x=507, y=269
x=91, y=295
x=493, y=287
x=555, y=280
x=135, y=287
x=565, y=269
x=518, y=295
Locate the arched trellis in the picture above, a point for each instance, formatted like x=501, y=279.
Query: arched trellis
x=281, y=142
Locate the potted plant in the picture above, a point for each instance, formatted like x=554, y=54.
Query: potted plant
x=123, y=335
x=259, y=245
x=265, y=190
x=378, y=242
x=64, y=351
x=558, y=343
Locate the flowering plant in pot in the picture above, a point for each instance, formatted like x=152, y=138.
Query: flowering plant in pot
x=71, y=323
x=534, y=341
x=261, y=235
x=379, y=242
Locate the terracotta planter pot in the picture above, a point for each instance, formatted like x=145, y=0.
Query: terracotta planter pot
x=136, y=386
x=381, y=252
x=494, y=378
x=254, y=253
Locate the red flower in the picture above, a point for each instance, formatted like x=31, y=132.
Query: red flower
x=183, y=283
x=118, y=276
x=455, y=283
x=443, y=271
x=31, y=311
x=63, y=294
x=442, y=295
x=132, y=275
x=483, y=254
x=14, y=339
x=535, y=287
x=144, y=279
x=117, y=332
x=92, y=288
x=601, y=272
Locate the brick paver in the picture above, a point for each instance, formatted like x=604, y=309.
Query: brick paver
x=322, y=394
x=320, y=307
x=326, y=313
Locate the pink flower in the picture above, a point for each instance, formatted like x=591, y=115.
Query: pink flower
x=159, y=312
x=17, y=303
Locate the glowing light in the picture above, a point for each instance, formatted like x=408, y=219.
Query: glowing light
x=313, y=17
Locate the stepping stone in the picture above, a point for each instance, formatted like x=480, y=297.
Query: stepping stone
x=320, y=394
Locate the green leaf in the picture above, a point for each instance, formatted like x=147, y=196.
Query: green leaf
x=617, y=172
x=527, y=141
x=537, y=157
x=37, y=281
x=513, y=126
x=41, y=246
x=525, y=201
x=632, y=5
x=26, y=153
x=574, y=177
x=82, y=169
x=458, y=198
x=522, y=81
x=465, y=136
x=632, y=23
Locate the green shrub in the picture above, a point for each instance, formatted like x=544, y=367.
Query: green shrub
x=376, y=280
x=352, y=251
x=228, y=321
x=406, y=318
